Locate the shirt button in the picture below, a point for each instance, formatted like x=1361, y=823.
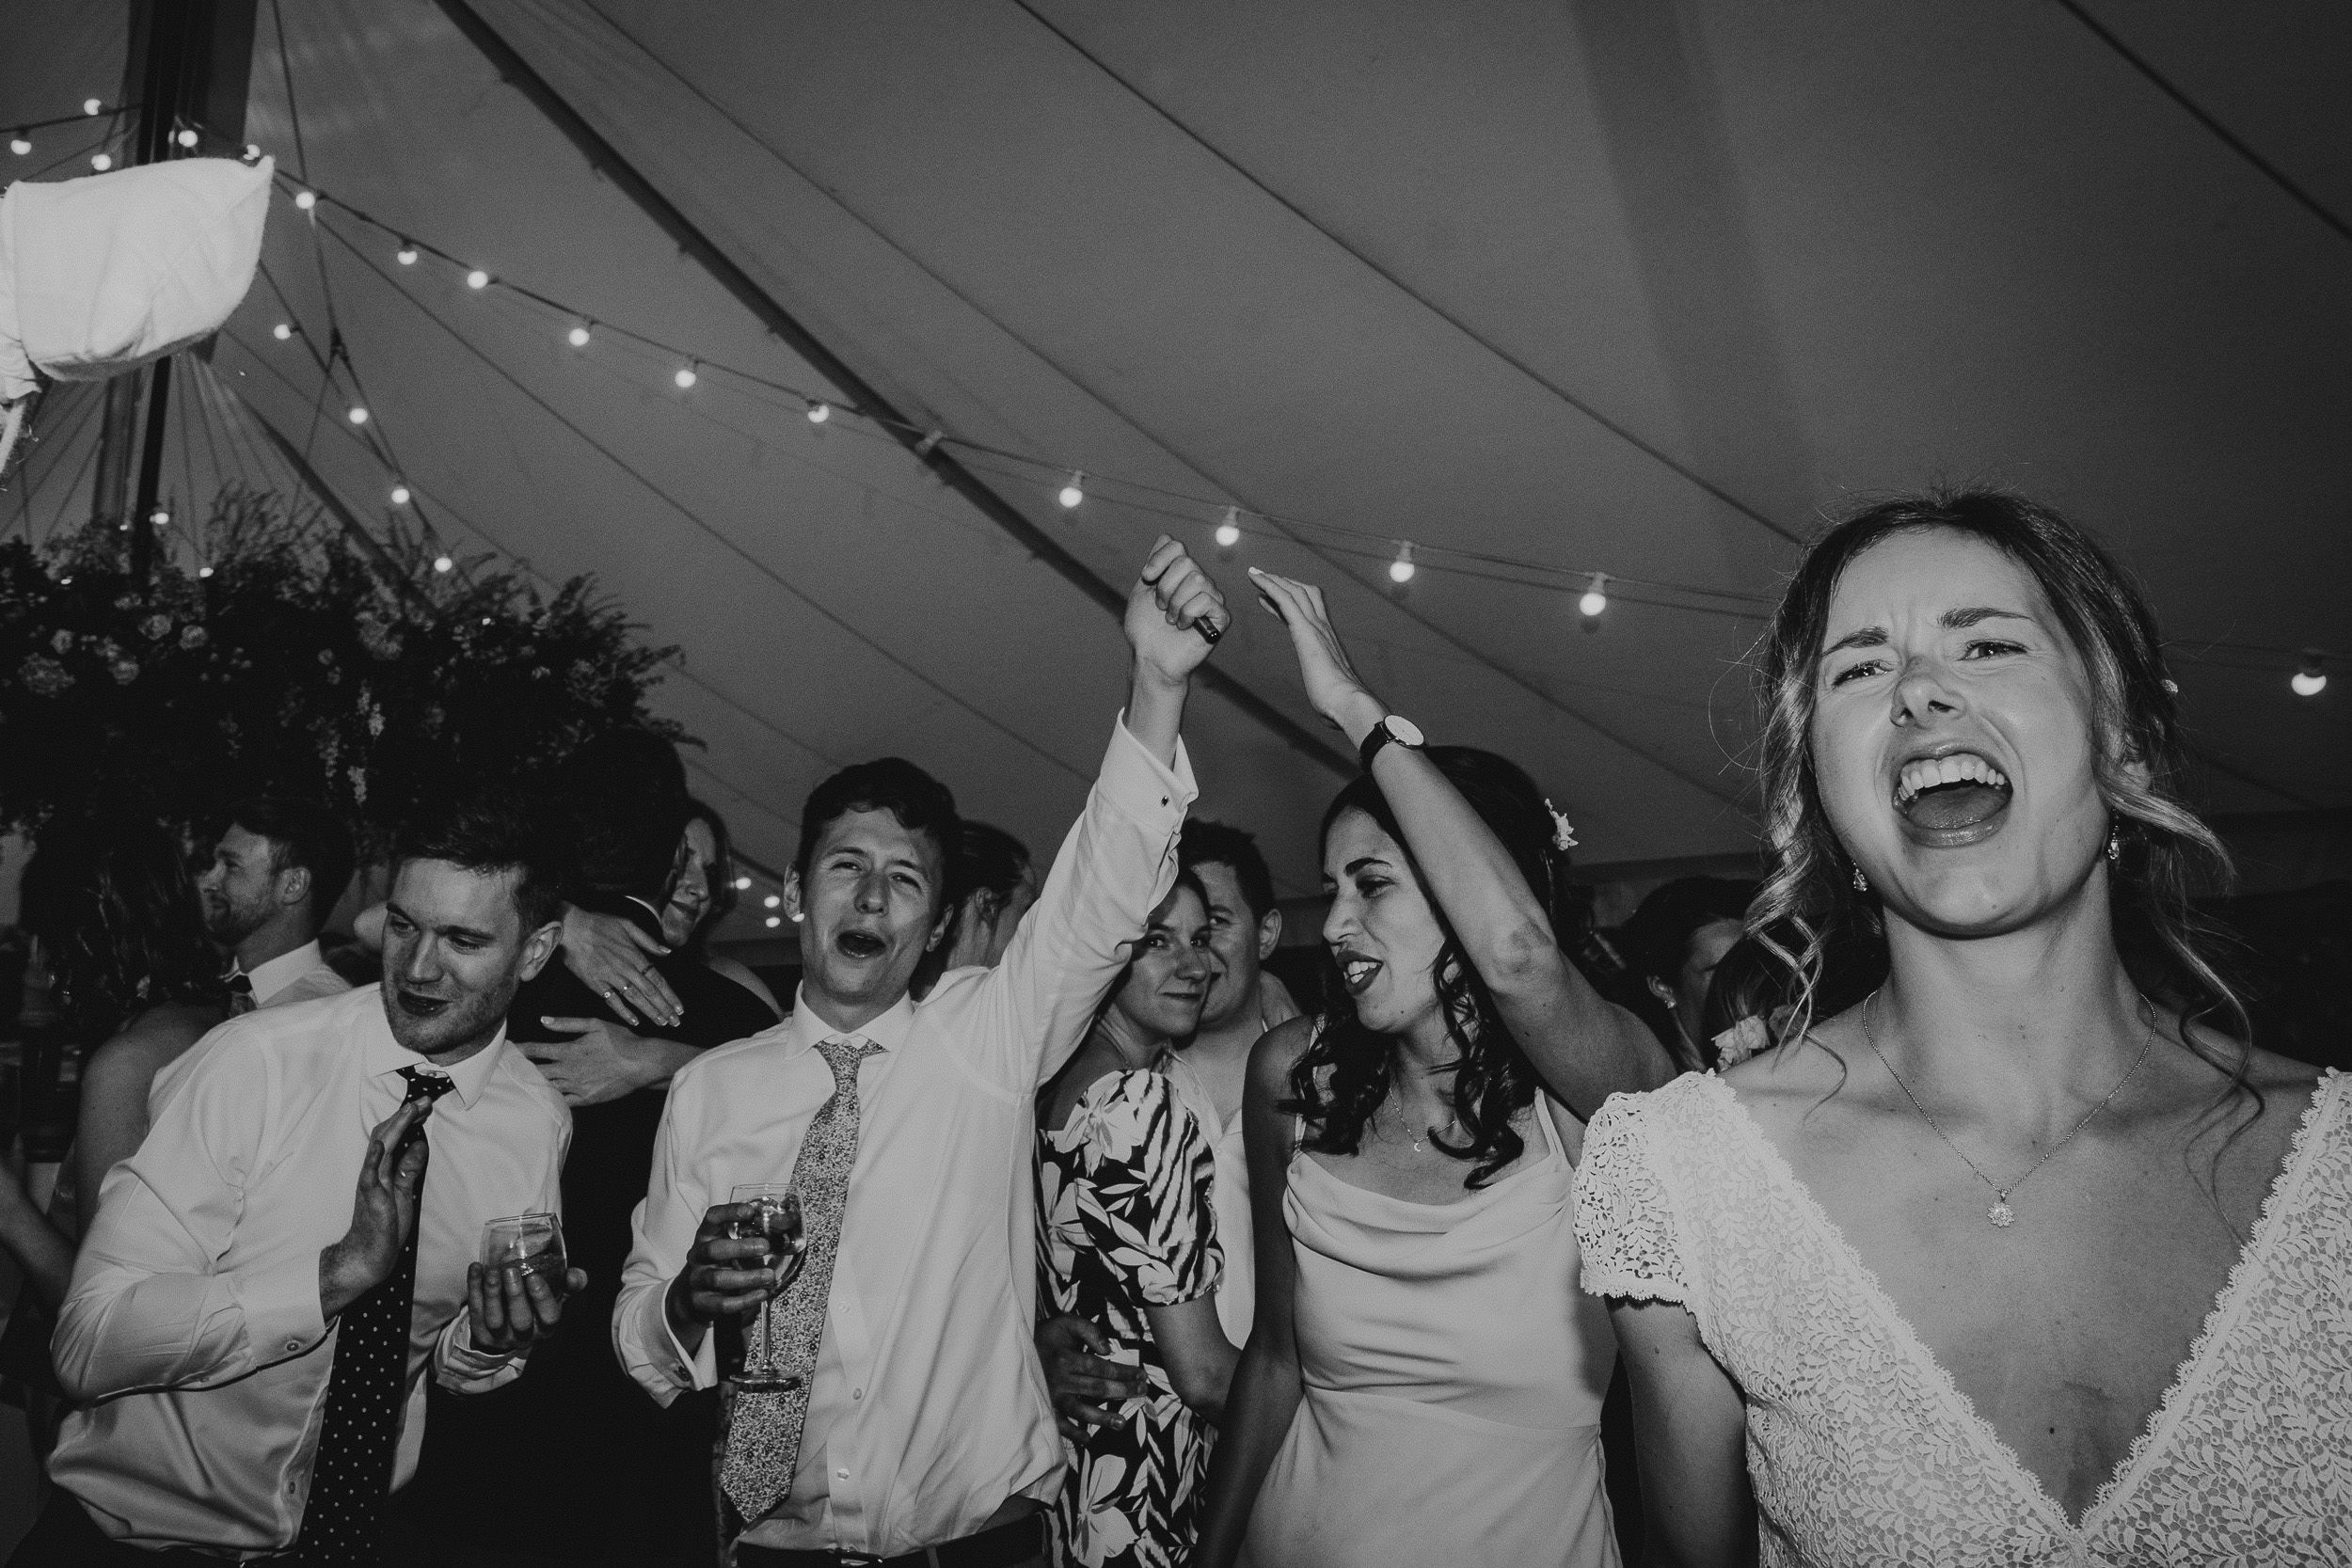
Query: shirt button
x=841, y=1475
x=293, y=1344
x=857, y=1393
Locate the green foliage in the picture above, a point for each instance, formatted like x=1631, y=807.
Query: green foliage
x=304, y=664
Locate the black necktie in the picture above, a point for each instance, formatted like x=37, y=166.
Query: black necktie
x=240, y=991
x=359, y=1437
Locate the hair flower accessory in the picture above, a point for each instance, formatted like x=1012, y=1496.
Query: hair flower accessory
x=1563, y=835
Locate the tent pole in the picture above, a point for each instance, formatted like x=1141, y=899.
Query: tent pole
x=189, y=59
x=607, y=160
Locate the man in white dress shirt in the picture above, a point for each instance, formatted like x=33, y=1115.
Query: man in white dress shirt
x=270, y=1278
x=275, y=876
x=924, y=1434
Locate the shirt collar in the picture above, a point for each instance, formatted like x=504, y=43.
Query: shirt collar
x=283, y=971
x=382, y=1055
x=805, y=1031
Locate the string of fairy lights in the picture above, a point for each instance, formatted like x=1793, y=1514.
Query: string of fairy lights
x=1228, y=523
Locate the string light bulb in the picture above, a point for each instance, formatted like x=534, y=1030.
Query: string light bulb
x=742, y=884
x=306, y=199
x=160, y=517
x=820, y=411
x=686, y=376
x=20, y=144
x=204, y=571
x=104, y=162
x=1595, y=599
x=577, y=335
x=773, y=921
x=1073, y=492
x=91, y=105
x=358, y=415
x=187, y=139
x=771, y=901
x=444, y=563
x=406, y=254
x=477, y=280
x=1401, y=570
x=2311, y=680
x=1229, y=531
x=400, y=495
x=281, y=331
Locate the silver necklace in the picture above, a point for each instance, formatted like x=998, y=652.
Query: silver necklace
x=2001, y=1214
x=1452, y=1122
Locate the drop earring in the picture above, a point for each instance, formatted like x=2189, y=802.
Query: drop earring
x=2115, y=844
x=1861, y=883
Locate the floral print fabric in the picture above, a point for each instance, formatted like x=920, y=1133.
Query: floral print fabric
x=1126, y=1222
x=1861, y=1450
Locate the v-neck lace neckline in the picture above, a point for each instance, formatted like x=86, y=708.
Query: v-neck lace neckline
x=2186, y=1376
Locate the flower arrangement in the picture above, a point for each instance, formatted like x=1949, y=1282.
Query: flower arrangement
x=301, y=663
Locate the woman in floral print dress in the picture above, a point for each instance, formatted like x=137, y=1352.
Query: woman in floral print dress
x=1130, y=1244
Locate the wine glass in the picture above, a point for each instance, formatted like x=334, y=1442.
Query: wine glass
x=527, y=1244
x=768, y=1212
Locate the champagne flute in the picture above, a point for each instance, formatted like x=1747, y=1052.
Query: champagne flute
x=527, y=1244
x=769, y=1212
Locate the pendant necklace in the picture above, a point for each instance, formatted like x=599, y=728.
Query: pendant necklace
x=1452, y=1122
x=2001, y=1214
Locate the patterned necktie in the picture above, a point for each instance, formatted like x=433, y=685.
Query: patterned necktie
x=239, y=992
x=352, y=1475
x=764, y=1430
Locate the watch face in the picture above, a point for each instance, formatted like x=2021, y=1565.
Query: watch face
x=1404, y=730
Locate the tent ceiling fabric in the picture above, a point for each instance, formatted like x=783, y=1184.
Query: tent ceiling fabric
x=1370, y=264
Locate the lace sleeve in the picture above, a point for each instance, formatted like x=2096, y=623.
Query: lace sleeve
x=1623, y=1225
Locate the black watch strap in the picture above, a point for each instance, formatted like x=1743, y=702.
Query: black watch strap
x=1390, y=730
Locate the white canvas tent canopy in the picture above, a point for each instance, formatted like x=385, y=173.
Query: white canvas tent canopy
x=1543, y=290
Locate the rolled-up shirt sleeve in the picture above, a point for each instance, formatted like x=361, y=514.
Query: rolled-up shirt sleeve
x=662, y=1233
x=151, y=1304
x=1117, y=864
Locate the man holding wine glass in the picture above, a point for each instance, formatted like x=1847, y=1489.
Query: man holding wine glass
x=886, y=1403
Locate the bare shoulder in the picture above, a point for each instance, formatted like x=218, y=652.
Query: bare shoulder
x=1276, y=1054
x=148, y=1044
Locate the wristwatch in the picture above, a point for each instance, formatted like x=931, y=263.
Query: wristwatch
x=1403, y=732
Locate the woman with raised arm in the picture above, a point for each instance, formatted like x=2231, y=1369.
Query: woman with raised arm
x=2030, y=1257
x=1423, y=1381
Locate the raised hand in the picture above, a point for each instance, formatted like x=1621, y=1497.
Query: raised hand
x=722, y=1277
x=1334, y=689
x=511, y=1310
x=383, y=1213
x=1171, y=597
x=612, y=958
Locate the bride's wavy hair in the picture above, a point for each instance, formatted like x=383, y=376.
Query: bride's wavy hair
x=1807, y=908
x=1340, y=1080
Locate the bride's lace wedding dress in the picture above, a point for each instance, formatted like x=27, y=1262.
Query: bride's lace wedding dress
x=1863, y=1450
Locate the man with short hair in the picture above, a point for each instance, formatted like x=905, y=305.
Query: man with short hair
x=268, y=1281
x=276, y=873
x=916, y=1432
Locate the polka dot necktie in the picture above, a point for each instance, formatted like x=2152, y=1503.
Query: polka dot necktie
x=763, y=1438
x=352, y=1475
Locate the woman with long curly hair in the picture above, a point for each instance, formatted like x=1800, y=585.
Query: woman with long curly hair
x=113, y=912
x=1423, y=1382
x=2029, y=1256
